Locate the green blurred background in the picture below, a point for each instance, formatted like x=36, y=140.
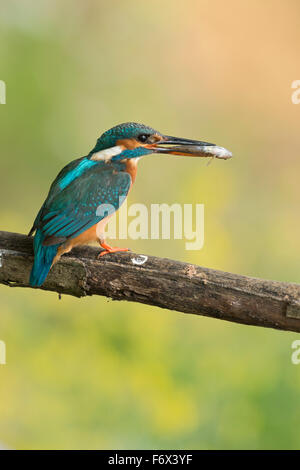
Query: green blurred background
x=93, y=373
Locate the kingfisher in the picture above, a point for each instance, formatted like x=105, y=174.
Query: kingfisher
x=90, y=189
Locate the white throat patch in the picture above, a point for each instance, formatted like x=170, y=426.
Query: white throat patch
x=107, y=154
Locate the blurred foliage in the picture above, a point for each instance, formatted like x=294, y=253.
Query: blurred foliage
x=92, y=373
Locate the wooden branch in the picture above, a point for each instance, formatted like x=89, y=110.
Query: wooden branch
x=158, y=281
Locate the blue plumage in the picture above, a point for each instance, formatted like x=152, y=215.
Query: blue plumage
x=73, y=206
x=43, y=258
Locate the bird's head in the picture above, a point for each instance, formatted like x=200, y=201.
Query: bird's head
x=132, y=140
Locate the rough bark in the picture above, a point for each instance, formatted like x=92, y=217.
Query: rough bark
x=158, y=281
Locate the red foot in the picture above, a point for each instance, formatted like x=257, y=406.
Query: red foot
x=110, y=249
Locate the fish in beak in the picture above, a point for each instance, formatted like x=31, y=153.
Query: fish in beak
x=191, y=148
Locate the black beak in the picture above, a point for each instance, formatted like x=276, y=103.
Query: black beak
x=192, y=148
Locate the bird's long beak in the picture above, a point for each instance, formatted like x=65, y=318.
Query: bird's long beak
x=192, y=148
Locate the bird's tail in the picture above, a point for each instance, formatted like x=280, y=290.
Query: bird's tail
x=43, y=258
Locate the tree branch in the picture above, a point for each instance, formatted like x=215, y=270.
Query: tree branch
x=158, y=281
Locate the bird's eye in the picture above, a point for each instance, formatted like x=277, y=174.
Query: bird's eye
x=143, y=138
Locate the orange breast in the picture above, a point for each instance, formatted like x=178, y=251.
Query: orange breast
x=131, y=168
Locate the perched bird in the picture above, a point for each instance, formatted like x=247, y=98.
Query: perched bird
x=70, y=215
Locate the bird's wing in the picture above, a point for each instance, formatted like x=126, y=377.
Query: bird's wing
x=55, y=188
x=92, y=196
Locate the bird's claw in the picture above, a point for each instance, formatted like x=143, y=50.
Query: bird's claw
x=112, y=250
